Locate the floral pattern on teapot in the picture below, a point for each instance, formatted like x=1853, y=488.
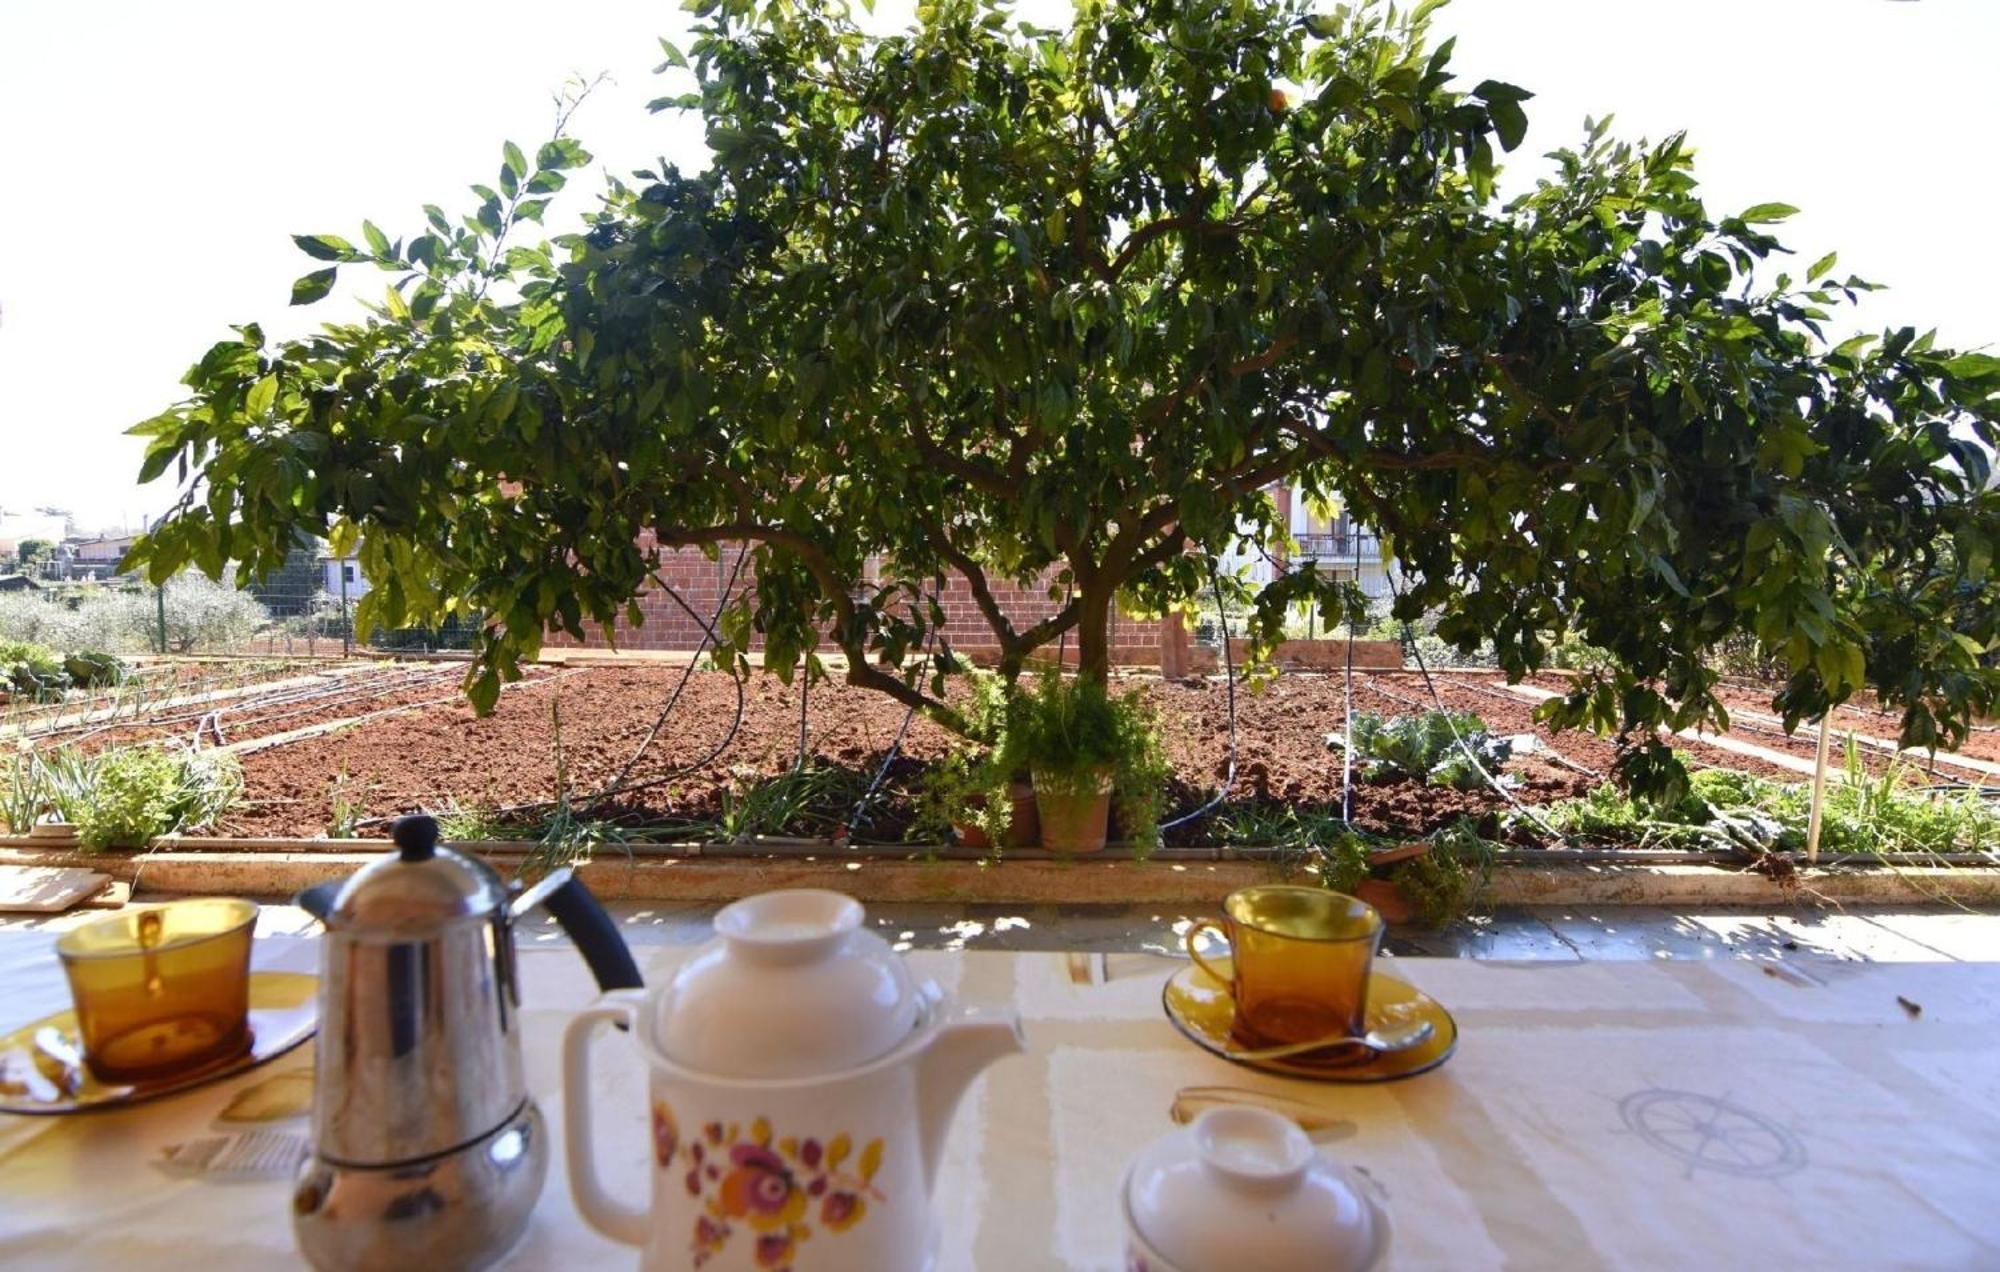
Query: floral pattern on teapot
x=777, y=1191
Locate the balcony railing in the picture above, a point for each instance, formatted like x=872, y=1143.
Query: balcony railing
x=1341, y=549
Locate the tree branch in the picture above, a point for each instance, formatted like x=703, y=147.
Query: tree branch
x=983, y=478
x=975, y=578
x=1166, y=225
x=848, y=632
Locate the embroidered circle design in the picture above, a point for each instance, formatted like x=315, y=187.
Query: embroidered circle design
x=1711, y=1134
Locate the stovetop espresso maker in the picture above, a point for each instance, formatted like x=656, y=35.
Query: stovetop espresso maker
x=427, y=1150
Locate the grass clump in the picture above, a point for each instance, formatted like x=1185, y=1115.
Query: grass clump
x=1890, y=813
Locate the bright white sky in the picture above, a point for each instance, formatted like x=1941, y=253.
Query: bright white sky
x=157, y=157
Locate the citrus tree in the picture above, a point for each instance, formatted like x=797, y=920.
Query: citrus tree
x=1055, y=308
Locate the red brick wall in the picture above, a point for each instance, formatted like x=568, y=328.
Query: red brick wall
x=700, y=581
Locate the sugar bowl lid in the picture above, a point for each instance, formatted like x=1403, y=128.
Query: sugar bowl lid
x=791, y=986
x=1242, y=1189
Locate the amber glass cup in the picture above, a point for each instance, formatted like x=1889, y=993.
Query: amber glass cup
x=1299, y=963
x=163, y=990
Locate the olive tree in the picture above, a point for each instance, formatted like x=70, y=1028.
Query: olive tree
x=1056, y=307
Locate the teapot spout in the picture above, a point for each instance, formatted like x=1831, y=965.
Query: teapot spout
x=973, y=1038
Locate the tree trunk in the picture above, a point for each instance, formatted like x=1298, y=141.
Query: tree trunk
x=1093, y=634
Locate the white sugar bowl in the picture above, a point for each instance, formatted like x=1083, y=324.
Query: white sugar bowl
x=1242, y=1189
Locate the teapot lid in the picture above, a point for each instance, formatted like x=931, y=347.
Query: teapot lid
x=422, y=886
x=1242, y=1188
x=791, y=986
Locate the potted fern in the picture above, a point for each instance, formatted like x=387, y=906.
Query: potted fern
x=1086, y=750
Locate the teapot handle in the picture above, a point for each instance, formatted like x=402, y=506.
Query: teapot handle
x=609, y=1216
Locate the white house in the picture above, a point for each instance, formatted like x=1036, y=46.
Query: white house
x=1336, y=545
x=342, y=576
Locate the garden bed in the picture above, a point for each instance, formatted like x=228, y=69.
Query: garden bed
x=331, y=752
x=444, y=757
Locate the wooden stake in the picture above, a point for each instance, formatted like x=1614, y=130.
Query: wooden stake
x=1818, y=789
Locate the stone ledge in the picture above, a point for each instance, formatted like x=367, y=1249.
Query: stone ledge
x=1105, y=881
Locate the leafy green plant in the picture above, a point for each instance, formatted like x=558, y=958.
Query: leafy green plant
x=32, y=671
x=1074, y=737
x=20, y=794
x=479, y=820
x=93, y=669
x=814, y=798
x=1888, y=813
x=1445, y=883
x=128, y=796
x=967, y=788
x=1432, y=747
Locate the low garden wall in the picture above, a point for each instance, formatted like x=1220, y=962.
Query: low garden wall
x=1183, y=876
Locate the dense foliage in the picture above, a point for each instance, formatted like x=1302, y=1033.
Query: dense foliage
x=1054, y=307
x=201, y=615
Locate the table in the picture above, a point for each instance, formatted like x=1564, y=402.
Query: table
x=1724, y=1114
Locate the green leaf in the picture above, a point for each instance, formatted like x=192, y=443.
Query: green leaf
x=1510, y=123
x=516, y=162
x=483, y=690
x=326, y=247
x=261, y=397
x=1821, y=266
x=561, y=153
x=1765, y=213
x=673, y=55
x=378, y=242
x=159, y=456
x=313, y=286
x=1973, y=366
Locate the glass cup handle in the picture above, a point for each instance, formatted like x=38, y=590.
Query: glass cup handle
x=1201, y=925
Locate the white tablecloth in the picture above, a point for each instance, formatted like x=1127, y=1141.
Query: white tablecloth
x=1697, y=1115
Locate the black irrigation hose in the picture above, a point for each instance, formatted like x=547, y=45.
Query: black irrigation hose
x=1229, y=685
x=859, y=815
x=1347, y=695
x=805, y=700
x=619, y=786
x=687, y=672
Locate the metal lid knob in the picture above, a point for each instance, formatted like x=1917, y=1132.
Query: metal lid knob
x=416, y=836
x=418, y=889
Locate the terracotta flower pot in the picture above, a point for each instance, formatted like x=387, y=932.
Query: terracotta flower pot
x=1025, y=831
x=1387, y=899
x=1076, y=822
x=972, y=837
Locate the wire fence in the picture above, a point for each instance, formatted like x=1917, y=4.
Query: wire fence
x=296, y=613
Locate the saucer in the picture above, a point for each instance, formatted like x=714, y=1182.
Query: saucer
x=1201, y=1007
x=283, y=1011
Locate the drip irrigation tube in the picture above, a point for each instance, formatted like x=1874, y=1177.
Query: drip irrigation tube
x=1229, y=686
x=858, y=817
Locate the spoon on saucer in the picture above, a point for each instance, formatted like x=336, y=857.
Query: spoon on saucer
x=1379, y=1041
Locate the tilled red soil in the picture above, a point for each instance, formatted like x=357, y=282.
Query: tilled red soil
x=1865, y=719
x=337, y=696
x=443, y=756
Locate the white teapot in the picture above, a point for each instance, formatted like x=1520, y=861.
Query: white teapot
x=802, y=1084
